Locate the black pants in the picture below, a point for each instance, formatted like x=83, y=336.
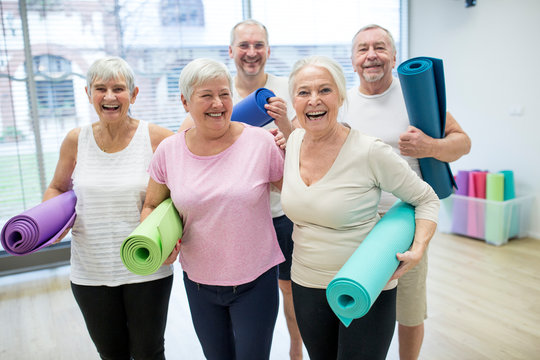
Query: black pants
x=235, y=322
x=326, y=338
x=127, y=321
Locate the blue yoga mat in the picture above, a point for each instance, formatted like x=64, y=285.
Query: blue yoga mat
x=356, y=286
x=251, y=109
x=422, y=83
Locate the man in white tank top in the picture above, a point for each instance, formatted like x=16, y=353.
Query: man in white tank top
x=378, y=109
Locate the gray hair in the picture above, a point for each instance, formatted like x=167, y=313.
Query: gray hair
x=324, y=62
x=375, y=26
x=108, y=68
x=198, y=72
x=248, y=22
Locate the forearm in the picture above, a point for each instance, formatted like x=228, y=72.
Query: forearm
x=424, y=231
x=285, y=126
x=451, y=148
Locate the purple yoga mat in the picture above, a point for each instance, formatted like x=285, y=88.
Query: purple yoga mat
x=39, y=226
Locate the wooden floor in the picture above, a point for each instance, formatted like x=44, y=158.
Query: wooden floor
x=483, y=303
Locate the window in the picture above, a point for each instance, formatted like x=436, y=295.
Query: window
x=38, y=106
x=54, y=91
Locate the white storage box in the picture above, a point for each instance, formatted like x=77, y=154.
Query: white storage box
x=493, y=221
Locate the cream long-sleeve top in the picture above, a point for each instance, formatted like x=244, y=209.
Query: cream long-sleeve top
x=333, y=216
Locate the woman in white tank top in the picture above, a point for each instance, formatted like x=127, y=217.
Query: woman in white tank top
x=106, y=165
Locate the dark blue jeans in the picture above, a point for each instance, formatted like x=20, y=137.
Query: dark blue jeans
x=284, y=229
x=325, y=337
x=235, y=322
x=126, y=321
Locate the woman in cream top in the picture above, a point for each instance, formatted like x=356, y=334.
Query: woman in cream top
x=331, y=189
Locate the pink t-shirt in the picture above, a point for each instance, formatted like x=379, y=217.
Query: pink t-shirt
x=224, y=202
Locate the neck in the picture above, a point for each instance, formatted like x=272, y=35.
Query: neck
x=375, y=88
x=245, y=85
x=330, y=136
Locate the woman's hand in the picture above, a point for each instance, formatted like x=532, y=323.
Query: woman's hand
x=61, y=236
x=174, y=254
x=408, y=260
x=279, y=138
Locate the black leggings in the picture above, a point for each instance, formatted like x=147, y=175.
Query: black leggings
x=127, y=321
x=326, y=338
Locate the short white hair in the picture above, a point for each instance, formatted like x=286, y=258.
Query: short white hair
x=335, y=70
x=198, y=72
x=375, y=26
x=108, y=68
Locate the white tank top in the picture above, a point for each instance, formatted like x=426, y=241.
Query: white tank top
x=110, y=191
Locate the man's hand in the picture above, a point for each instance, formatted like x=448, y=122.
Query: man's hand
x=280, y=140
x=415, y=143
x=277, y=109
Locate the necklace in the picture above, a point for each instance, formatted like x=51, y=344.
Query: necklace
x=100, y=143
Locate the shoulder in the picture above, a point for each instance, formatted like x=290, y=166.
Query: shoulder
x=278, y=84
x=72, y=138
x=157, y=134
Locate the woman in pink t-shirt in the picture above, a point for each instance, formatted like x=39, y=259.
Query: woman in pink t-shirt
x=218, y=174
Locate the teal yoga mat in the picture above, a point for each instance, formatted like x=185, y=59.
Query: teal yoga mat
x=422, y=83
x=359, y=282
x=147, y=247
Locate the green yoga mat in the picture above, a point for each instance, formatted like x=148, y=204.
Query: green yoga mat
x=357, y=285
x=496, y=228
x=147, y=247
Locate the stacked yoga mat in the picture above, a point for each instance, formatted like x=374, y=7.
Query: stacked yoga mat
x=149, y=245
x=422, y=83
x=39, y=226
x=251, y=109
x=485, y=206
x=359, y=282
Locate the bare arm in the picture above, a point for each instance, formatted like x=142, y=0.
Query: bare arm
x=454, y=145
x=156, y=193
x=157, y=134
x=424, y=231
x=61, y=181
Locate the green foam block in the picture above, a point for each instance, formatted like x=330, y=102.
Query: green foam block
x=359, y=282
x=147, y=247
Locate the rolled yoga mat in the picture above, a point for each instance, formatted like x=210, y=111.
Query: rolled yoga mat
x=422, y=83
x=356, y=286
x=496, y=227
x=511, y=208
x=460, y=205
x=477, y=208
x=251, y=109
x=147, y=247
x=39, y=226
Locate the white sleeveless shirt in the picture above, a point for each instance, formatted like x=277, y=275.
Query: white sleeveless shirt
x=110, y=190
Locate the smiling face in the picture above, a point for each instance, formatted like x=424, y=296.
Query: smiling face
x=249, y=50
x=111, y=99
x=316, y=99
x=373, y=57
x=210, y=104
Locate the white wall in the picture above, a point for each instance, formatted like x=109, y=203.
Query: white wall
x=491, y=58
